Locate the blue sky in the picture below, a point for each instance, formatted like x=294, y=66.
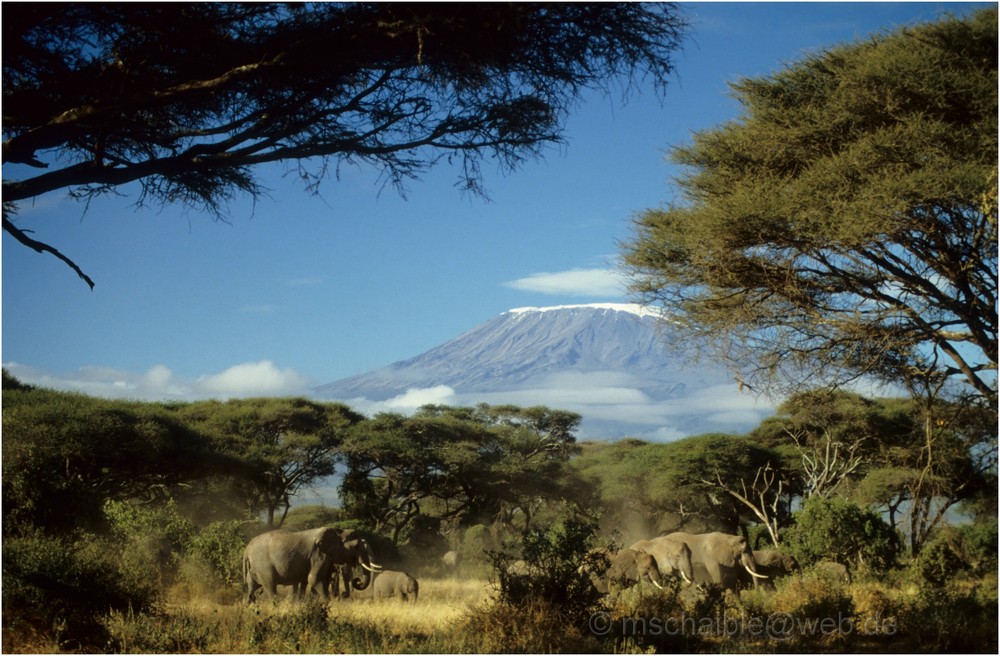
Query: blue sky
x=298, y=290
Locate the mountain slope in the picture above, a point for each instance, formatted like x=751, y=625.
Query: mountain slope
x=607, y=362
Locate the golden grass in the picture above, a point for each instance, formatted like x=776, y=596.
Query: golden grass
x=441, y=604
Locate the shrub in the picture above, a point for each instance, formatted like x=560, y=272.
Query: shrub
x=559, y=560
x=946, y=619
x=220, y=547
x=533, y=627
x=841, y=531
x=62, y=587
x=150, y=537
x=937, y=563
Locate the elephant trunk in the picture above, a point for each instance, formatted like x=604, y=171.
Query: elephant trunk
x=751, y=566
x=368, y=566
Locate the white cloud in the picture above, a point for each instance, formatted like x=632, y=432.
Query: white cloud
x=575, y=282
x=415, y=397
x=253, y=378
x=159, y=383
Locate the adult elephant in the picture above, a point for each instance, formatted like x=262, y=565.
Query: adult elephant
x=629, y=567
x=355, y=544
x=774, y=564
x=302, y=559
x=395, y=584
x=717, y=558
x=673, y=557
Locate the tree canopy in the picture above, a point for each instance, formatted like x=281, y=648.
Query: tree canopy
x=846, y=224
x=186, y=98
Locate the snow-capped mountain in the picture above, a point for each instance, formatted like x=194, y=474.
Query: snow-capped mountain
x=607, y=362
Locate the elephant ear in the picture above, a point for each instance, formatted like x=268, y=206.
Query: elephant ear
x=326, y=541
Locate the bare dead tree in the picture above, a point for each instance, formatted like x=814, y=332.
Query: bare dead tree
x=826, y=463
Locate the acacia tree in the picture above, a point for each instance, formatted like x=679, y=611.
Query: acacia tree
x=186, y=98
x=456, y=465
x=282, y=445
x=846, y=224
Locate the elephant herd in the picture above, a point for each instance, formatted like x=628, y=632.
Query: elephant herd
x=717, y=559
x=314, y=561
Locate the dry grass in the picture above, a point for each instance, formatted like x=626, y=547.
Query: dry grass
x=441, y=605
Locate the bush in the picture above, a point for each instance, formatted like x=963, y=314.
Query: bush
x=61, y=588
x=952, y=620
x=841, y=531
x=534, y=627
x=220, y=547
x=560, y=561
x=938, y=563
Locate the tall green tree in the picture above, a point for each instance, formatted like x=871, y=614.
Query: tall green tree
x=186, y=98
x=65, y=454
x=694, y=484
x=845, y=225
x=876, y=452
x=282, y=445
x=456, y=465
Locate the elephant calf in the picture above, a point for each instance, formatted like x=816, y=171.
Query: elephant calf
x=395, y=584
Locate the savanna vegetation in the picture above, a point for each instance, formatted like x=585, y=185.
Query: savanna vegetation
x=844, y=229
x=124, y=525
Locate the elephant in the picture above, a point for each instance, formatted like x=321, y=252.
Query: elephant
x=629, y=567
x=395, y=584
x=452, y=562
x=673, y=557
x=837, y=571
x=595, y=567
x=718, y=558
x=773, y=564
x=344, y=571
x=302, y=559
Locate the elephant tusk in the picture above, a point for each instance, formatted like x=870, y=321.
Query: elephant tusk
x=374, y=570
x=657, y=584
x=684, y=576
x=753, y=573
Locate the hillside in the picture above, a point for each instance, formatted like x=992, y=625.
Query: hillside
x=609, y=362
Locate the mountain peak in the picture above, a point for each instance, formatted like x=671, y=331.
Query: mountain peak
x=606, y=361
x=631, y=308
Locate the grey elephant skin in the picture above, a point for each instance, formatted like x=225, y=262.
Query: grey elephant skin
x=673, y=557
x=302, y=559
x=774, y=564
x=629, y=567
x=718, y=558
x=395, y=584
x=355, y=544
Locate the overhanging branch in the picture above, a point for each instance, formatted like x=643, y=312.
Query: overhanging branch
x=42, y=247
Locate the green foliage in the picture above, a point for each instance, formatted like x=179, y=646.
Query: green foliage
x=958, y=551
x=559, y=561
x=301, y=518
x=220, y=547
x=65, y=454
x=456, y=465
x=846, y=223
x=841, y=531
x=280, y=444
x=67, y=586
x=676, y=484
x=952, y=620
x=938, y=563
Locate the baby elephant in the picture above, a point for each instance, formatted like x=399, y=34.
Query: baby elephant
x=395, y=584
